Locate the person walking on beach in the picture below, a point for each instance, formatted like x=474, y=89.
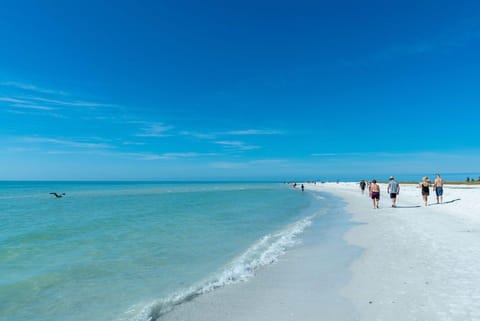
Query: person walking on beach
x=393, y=189
x=374, y=192
x=425, y=186
x=363, y=184
x=438, y=186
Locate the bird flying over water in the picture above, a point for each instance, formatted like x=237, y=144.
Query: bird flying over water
x=58, y=195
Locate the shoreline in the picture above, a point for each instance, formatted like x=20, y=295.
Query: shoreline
x=394, y=264
x=309, y=276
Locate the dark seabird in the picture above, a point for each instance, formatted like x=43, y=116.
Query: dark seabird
x=58, y=195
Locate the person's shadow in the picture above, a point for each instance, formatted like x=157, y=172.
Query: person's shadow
x=415, y=206
x=447, y=202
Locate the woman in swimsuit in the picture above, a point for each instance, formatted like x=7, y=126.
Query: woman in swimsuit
x=374, y=190
x=425, y=186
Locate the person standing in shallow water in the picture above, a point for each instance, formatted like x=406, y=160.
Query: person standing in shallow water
x=393, y=189
x=425, y=186
x=303, y=187
x=438, y=186
x=374, y=192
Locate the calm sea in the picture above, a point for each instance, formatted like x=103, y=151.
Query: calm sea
x=131, y=251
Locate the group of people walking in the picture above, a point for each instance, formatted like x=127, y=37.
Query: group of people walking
x=393, y=190
x=437, y=186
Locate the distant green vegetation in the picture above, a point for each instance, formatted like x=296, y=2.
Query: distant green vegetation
x=467, y=181
x=450, y=183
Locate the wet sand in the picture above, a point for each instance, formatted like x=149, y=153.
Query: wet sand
x=406, y=263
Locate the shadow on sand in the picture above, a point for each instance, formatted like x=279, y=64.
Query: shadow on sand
x=447, y=202
x=413, y=206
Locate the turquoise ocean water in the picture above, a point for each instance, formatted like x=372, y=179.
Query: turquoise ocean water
x=131, y=251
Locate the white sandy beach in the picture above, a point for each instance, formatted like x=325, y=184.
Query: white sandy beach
x=419, y=263
x=416, y=263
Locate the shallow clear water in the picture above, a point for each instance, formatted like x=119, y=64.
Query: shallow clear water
x=129, y=251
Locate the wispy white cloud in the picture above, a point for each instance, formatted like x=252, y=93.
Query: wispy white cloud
x=28, y=96
x=338, y=154
x=45, y=105
x=373, y=154
x=150, y=156
x=237, y=145
x=246, y=132
x=30, y=106
x=84, y=147
x=69, y=103
x=68, y=143
x=268, y=161
x=198, y=135
x=16, y=105
x=152, y=129
x=133, y=143
x=188, y=154
x=13, y=100
x=30, y=87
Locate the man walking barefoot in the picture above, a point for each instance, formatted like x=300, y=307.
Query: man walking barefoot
x=374, y=191
x=393, y=189
x=438, y=186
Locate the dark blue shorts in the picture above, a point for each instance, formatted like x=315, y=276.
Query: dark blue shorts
x=439, y=191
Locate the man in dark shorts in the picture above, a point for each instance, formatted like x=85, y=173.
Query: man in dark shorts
x=438, y=186
x=374, y=191
x=393, y=189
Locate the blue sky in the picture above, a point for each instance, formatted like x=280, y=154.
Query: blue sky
x=175, y=90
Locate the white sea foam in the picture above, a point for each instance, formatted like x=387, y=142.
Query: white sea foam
x=149, y=238
x=265, y=251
